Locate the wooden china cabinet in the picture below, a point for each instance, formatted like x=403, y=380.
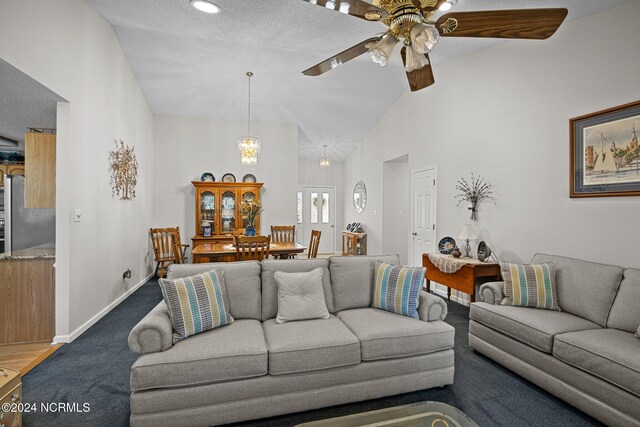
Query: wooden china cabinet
x=218, y=207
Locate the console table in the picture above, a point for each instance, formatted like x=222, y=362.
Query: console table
x=463, y=280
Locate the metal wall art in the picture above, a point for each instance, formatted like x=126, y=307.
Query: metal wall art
x=124, y=171
x=473, y=192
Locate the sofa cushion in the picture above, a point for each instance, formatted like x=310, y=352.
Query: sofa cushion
x=231, y=352
x=609, y=354
x=528, y=325
x=352, y=279
x=385, y=335
x=300, y=296
x=397, y=287
x=586, y=289
x=309, y=345
x=270, y=287
x=530, y=285
x=625, y=314
x=243, y=284
x=196, y=303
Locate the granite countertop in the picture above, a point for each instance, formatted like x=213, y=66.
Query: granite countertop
x=38, y=252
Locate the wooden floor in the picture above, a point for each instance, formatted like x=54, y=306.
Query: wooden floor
x=24, y=357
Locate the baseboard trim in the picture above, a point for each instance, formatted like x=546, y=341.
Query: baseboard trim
x=86, y=325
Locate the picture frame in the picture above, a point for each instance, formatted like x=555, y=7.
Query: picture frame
x=207, y=231
x=604, y=153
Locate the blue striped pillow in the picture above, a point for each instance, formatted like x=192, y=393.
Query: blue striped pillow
x=196, y=303
x=530, y=285
x=397, y=288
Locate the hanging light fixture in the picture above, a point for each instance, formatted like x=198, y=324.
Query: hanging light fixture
x=249, y=146
x=324, y=161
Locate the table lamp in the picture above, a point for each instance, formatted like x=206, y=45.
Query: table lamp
x=466, y=233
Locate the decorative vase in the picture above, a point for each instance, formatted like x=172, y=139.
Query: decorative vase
x=250, y=230
x=456, y=252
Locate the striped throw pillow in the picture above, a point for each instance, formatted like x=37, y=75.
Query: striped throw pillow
x=397, y=288
x=530, y=285
x=196, y=303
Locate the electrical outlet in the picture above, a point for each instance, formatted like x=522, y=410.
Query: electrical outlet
x=399, y=212
x=126, y=274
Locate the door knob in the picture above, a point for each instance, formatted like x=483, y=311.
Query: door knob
x=414, y=234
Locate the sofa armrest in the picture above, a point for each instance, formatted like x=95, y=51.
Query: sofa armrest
x=153, y=333
x=432, y=307
x=492, y=292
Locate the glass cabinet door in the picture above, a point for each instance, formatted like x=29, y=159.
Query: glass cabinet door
x=248, y=197
x=207, y=213
x=228, y=214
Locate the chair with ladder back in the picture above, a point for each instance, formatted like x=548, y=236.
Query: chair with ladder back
x=314, y=243
x=167, y=248
x=252, y=248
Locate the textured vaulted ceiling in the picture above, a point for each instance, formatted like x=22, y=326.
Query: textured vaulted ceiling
x=24, y=103
x=193, y=64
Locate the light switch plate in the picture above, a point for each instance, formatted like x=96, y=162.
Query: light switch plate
x=77, y=215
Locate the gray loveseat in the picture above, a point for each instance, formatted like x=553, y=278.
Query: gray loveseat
x=586, y=354
x=255, y=368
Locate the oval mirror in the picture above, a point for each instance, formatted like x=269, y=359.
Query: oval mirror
x=360, y=197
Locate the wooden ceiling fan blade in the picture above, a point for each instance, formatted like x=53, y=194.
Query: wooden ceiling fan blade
x=341, y=58
x=358, y=8
x=418, y=79
x=536, y=24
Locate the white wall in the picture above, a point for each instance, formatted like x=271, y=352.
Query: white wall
x=311, y=174
x=69, y=48
x=186, y=147
x=504, y=113
x=396, y=214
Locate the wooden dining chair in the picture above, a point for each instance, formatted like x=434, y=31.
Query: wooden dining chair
x=252, y=248
x=314, y=243
x=167, y=248
x=283, y=233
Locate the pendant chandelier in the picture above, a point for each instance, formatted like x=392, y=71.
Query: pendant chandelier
x=324, y=161
x=249, y=146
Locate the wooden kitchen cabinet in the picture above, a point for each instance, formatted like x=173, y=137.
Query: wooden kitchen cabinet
x=27, y=298
x=39, y=170
x=10, y=169
x=218, y=207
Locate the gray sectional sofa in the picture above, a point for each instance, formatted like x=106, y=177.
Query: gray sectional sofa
x=586, y=354
x=255, y=368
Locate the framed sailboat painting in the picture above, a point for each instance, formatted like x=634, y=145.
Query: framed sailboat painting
x=605, y=155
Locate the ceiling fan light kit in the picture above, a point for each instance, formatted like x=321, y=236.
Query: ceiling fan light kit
x=381, y=51
x=447, y=5
x=205, y=6
x=415, y=60
x=410, y=22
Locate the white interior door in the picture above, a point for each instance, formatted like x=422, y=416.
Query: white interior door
x=423, y=213
x=319, y=213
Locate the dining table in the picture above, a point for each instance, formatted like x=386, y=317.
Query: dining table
x=226, y=251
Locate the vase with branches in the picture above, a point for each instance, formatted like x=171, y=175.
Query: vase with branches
x=473, y=192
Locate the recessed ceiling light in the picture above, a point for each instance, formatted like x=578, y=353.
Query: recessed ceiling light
x=205, y=6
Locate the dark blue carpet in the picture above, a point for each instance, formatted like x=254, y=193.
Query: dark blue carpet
x=95, y=368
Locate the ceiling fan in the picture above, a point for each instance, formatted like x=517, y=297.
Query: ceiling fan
x=409, y=22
